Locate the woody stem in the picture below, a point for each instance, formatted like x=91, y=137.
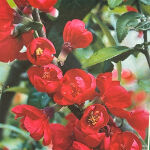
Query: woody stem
x=36, y=17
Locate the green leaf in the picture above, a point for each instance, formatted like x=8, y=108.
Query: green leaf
x=125, y=22
x=146, y=2
x=145, y=85
x=104, y=54
x=105, y=30
x=17, y=130
x=38, y=99
x=12, y=4
x=18, y=89
x=113, y=3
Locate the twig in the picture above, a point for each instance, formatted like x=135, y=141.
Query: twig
x=145, y=51
x=36, y=17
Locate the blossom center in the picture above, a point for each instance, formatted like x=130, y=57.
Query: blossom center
x=75, y=90
x=93, y=118
x=39, y=52
x=51, y=75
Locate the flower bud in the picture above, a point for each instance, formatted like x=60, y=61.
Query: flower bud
x=75, y=36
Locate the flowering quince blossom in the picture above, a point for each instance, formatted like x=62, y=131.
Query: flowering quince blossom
x=112, y=94
x=130, y=8
x=138, y=118
x=43, y=5
x=94, y=118
x=125, y=140
x=10, y=51
x=127, y=77
x=63, y=137
x=77, y=87
x=46, y=78
x=35, y=121
x=40, y=51
x=75, y=36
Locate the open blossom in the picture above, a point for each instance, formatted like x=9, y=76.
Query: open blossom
x=92, y=139
x=94, y=118
x=139, y=120
x=75, y=36
x=62, y=137
x=112, y=93
x=125, y=140
x=35, y=121
x=40, y=51
x=10, y=51
x=77, y=87
x=46, y=78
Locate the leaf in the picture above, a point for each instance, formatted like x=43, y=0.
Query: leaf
x=145, y=85
x=113, y=3
x=146, y=2
x=18, y=89
x=145, y=25
x=38, y=99
x=104, y=54
x=105, y=30
x=125, y=22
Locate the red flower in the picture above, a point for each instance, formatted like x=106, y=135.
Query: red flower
x=125, y=140
x=92, y=139
x=127, y=76
x=79, y=146
x=77, y=87
x=75, y=36
x=121, y=113
x=42, y=4
x=62, y=138
x=105, y=143
x=130, y=8
x=40, y=51
x=112, y=94
x=139, y=120
x=89, y=139
x=10, y=51
x=35, y=121
x=46, y=78
x=94, y=118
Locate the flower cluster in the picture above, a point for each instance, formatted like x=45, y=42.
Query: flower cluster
x=96, y=128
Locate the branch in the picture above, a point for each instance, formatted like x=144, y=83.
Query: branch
x=36, y=17
x=145, y=51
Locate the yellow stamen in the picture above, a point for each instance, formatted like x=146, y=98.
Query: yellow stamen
x=39, y=51
x=93, y=118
